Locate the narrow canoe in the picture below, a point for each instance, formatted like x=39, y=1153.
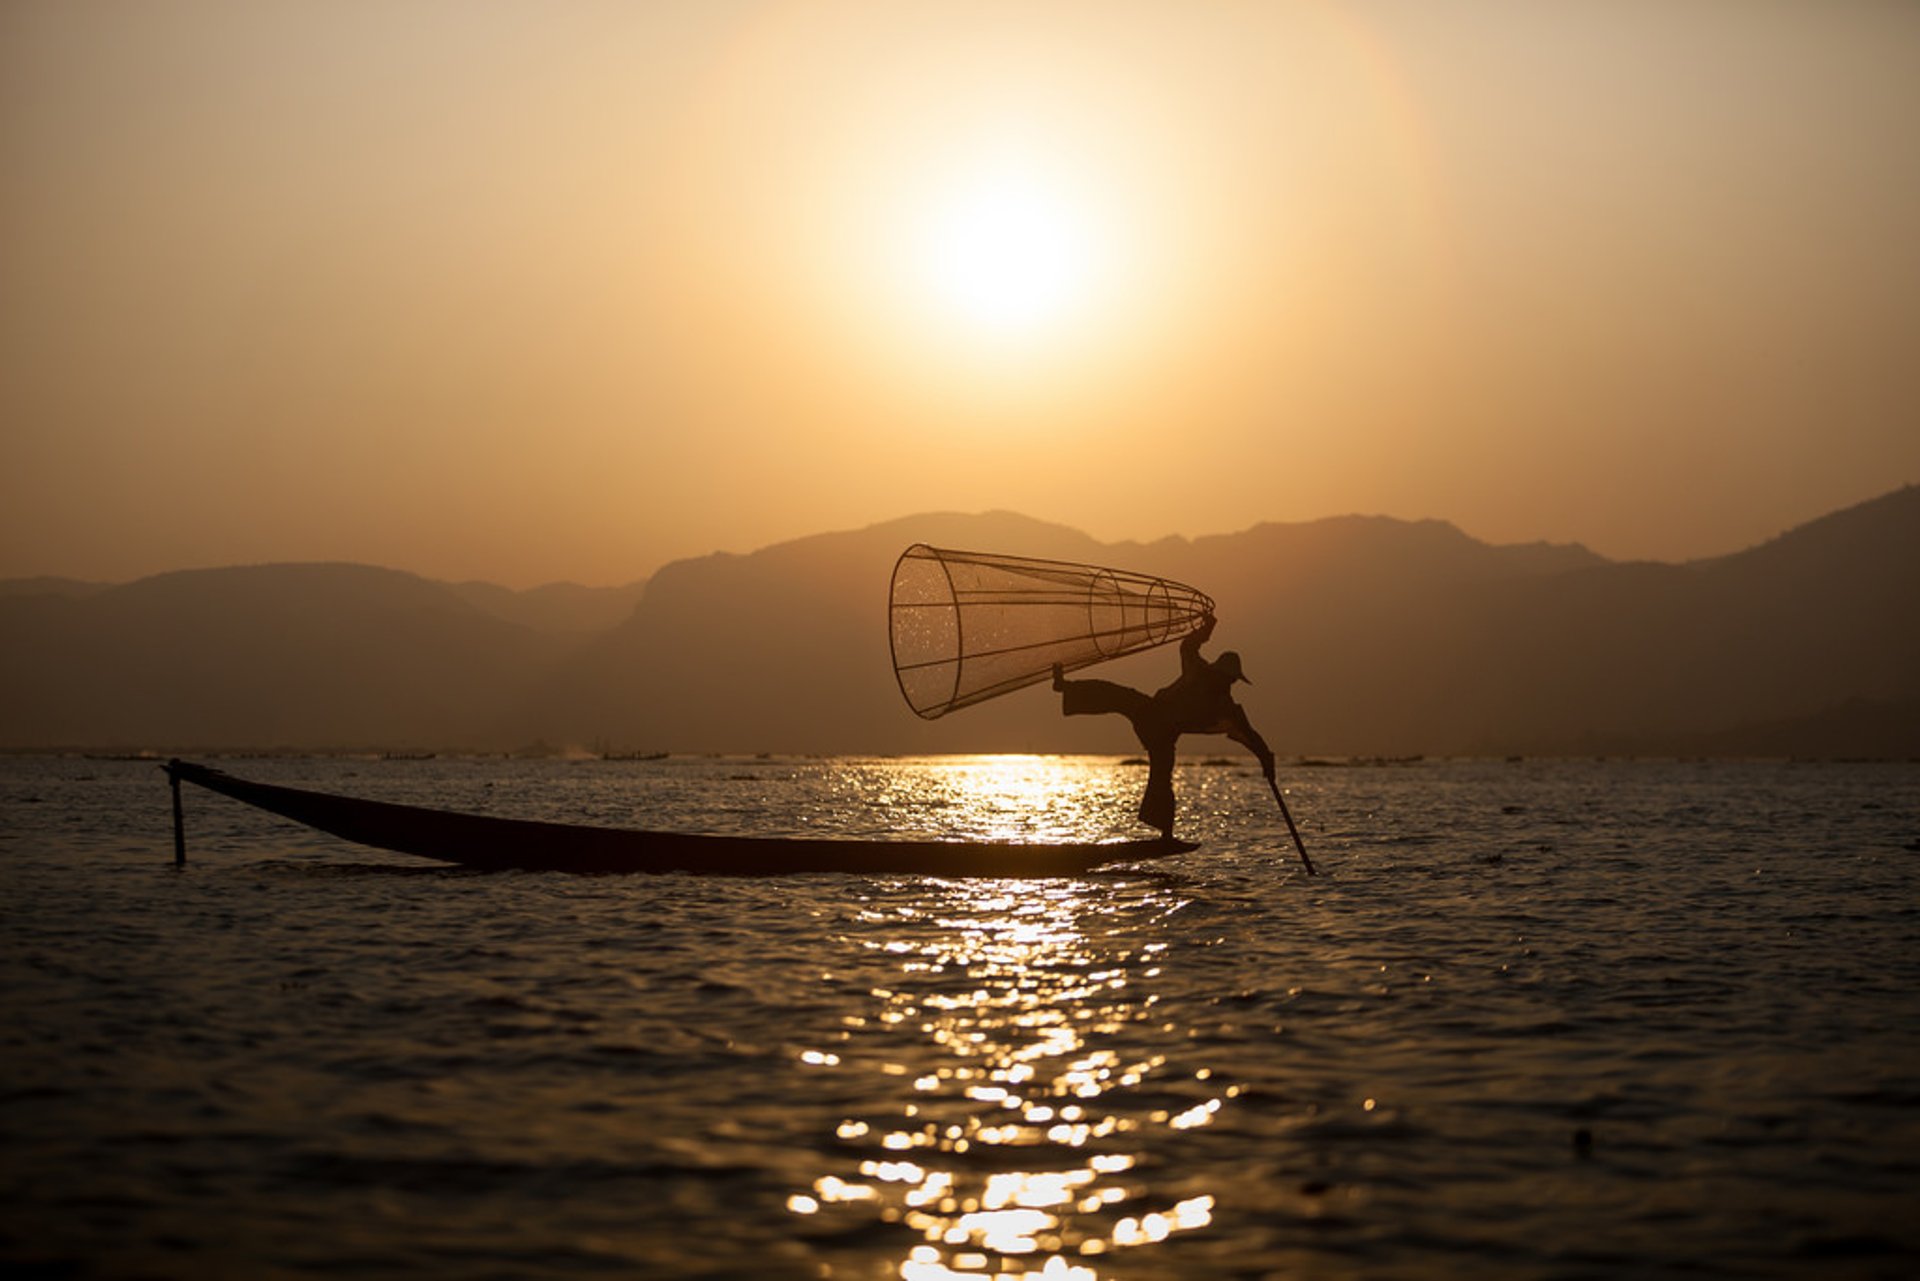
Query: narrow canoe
x=499, y=844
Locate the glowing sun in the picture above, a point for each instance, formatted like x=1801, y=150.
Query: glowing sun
x=1009, y=254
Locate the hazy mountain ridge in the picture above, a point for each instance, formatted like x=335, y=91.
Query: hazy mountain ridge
x=1364, y=635
x=317, y=655
x=1656, y=657
x=561, y=609
x=49, y=585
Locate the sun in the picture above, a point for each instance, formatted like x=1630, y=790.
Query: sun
x=1009, y=253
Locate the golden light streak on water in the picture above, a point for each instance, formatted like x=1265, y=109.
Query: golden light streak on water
x=1012, y=1150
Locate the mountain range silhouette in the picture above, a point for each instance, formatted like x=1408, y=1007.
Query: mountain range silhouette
x=1365, y=636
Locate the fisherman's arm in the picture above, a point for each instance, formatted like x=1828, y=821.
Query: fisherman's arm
x=1243, y=732
x=1190, y=645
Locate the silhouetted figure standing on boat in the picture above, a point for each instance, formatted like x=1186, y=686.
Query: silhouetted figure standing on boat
x=1199, y=702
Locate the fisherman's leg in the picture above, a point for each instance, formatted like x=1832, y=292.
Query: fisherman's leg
x=1094, y=698
x=1156, y=805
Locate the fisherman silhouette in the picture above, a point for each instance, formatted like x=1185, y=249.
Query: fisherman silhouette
x=1199, y=702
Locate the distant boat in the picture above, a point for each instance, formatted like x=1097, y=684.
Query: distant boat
x=501, y=844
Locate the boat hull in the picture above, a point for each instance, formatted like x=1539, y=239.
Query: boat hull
x=501, y=844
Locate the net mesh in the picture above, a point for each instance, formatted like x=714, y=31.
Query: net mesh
x=969, y=626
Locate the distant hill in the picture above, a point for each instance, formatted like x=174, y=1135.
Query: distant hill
x=558, y=609
x=1657, y=658
x=786, y=650
x=306, y=656
x=1363, y=635
x=792, y=641
x=64, y=588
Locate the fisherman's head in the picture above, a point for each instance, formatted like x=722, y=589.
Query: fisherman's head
x=1229, y=662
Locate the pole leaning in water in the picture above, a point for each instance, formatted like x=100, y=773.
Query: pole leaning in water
x=1297, y=843
x=179, y=819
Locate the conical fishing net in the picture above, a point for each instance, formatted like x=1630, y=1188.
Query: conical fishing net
x=969, y=626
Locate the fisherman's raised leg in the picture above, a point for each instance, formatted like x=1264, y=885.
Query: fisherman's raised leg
x=1095, y=698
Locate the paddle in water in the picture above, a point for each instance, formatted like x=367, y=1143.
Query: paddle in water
x=1284, y=813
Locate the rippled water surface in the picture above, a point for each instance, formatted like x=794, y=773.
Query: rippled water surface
x=1533, y=1019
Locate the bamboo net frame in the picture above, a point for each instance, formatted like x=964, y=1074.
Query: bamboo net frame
x=965, y=626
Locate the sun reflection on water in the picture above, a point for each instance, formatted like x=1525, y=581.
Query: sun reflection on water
x=1000, y=798
x=1014, y=1140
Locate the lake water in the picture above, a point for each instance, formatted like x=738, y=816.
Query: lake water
x=1533, y=1019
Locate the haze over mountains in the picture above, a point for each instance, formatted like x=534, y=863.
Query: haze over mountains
x=1363, y=635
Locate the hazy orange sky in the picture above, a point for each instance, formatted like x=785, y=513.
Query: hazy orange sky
x=531, y=292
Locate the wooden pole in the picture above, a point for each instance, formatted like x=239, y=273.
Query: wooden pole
x=1297, y=843
x=179, y=820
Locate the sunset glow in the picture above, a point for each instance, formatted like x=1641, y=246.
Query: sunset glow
x=497, y=292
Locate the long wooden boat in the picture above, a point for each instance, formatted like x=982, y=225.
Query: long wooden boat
x=499, y=844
